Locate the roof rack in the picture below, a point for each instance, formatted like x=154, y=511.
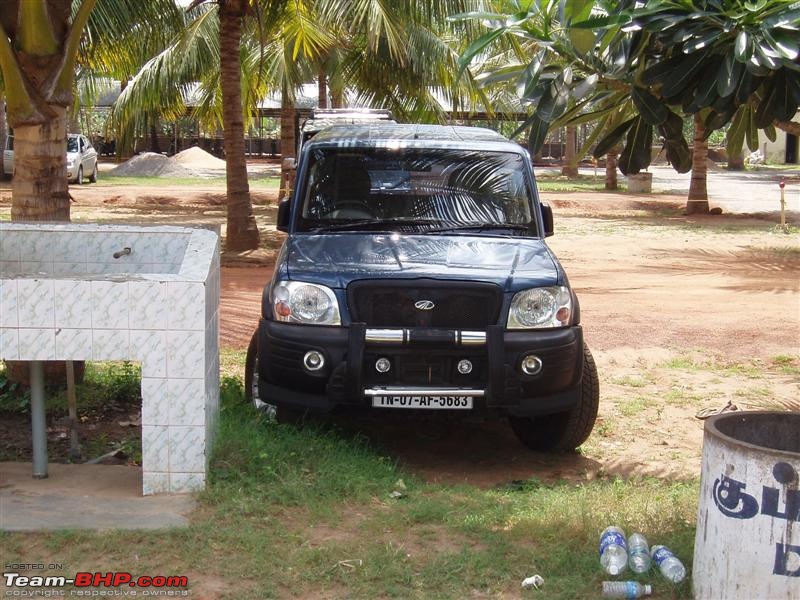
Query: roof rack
x=359, y=113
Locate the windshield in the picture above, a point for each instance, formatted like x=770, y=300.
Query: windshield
x=414, y=188
x=72, y=144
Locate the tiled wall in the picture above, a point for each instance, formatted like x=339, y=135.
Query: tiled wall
x=68, y=252
x=165, y=316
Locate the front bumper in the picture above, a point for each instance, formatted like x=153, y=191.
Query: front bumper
x=422, y=359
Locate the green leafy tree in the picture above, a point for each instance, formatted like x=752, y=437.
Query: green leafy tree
x=638, y=68
x=41, y=48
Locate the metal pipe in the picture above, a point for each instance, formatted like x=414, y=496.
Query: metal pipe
x=72, y=405
x=38, y=420
x=402, y=336
x=472, y=338
x=386, y=336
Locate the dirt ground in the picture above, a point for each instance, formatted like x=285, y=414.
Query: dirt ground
x=682, y=314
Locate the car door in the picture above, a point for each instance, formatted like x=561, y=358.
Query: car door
x=88, y=156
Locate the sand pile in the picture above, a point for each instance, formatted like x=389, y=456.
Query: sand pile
x=151, y=164
x=196, y=158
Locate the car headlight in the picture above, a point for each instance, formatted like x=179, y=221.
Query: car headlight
x=539, y=308
x=298, y=302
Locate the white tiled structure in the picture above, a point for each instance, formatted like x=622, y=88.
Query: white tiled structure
x=63, y=296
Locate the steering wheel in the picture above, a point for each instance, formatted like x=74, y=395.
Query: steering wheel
x=353, y=209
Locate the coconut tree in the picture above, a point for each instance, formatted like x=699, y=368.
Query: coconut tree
x=40, y=48
x=403, y=56
x=228, y=55
x=3, y=131
x=241, y=231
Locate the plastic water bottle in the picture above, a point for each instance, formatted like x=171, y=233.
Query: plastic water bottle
x=625, y=589
x=668, y=563
x=613, y=550
x=638, y=553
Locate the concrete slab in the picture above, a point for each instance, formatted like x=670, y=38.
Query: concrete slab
x=85, y=497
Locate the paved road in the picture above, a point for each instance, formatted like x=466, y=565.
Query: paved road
x=752, y=191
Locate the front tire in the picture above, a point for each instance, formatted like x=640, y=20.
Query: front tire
x=564, y=431
x=93, y=176
x=251, y=393
x=79, y=178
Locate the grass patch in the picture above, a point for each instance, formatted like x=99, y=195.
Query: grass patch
x=306, y=512
x=631, y=381
x=582, y=183
x=104, y=383
x=754, y=370
x=787, y=365
x=683, y=363
x=231, y=362
x=633, y=406
x=678, y=396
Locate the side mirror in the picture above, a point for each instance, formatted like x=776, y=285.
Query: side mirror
x=284, y=213
x=547, y=220
x=290, y=163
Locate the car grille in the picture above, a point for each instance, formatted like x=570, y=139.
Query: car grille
x=456, y=304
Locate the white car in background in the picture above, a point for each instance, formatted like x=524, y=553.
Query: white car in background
x=81, y=158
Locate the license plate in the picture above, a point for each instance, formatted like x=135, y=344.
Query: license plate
x=430, y=402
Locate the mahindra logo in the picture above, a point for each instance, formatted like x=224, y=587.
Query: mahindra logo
x=424, y=305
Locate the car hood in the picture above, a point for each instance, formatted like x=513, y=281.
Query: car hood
x=337, y=259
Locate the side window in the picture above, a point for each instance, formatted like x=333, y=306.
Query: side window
x=87, y=144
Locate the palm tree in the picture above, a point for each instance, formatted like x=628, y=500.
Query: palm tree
x=402, y=55
x=256, y=46
x=40, y=47
x=3, y=132
x=241, y=230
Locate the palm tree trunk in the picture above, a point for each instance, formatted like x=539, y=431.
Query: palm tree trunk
x=337, y=98
x=153, y=122
x=3, y=132
x=288, y=142
x=322, y=85
x=241, y=230
x=570, y=167
x=698, y=193
x=39, y=189
x=611, y=169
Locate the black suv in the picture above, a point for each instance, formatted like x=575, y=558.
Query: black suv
x=415, y=276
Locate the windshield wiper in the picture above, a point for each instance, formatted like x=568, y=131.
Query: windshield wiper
x=368, y=224
x=362, y=223
x=479, y=227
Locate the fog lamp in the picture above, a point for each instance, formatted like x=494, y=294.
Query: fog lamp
x=531, y=365
x=313, y=360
